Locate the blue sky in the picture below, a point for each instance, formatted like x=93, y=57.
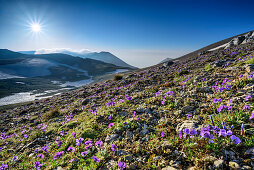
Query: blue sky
x=142, y=33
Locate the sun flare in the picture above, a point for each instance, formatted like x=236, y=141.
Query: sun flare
x=36, y=27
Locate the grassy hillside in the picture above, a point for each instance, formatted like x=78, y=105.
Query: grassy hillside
x=196, y=113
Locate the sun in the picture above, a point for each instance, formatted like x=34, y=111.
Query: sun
x=35, y=27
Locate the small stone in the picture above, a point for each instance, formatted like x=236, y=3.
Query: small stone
x=156, y=158
x=218, y=164
x=233, y=165
x=31, y=155
x=187, y=109
x=169, y=168
x=85, y=102
x=121, y=152
x=250, y=151
x=245, y=167
x=111, y=138
x=59, y=168
x=128, y=158
x=249, y=68
x=111, y=164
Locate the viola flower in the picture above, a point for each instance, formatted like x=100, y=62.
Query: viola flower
x=37, y=165
x=211, y=117
x=235, y=139
x=240, y=76
x=137, y=119
x=83, y=154
x=242, y=129
x=222, y=132
x=72, y=149
x=125, y=123
x=15, y=158
x=129, y=98
x=96, y=159
x=188, y=116
x=230, y=101
x=221, y=108
x=74, y=134
x=247, y=97
x=41, y=156
x=163, y=102
x=88, y=146
x=121, y=165
x=113, y=147
x=163, y=134
x=180, y=134
x=223, y=124
x=229, y=132
x=36, y=150
x=109, y=117
x=58, y=154
x=59, y=143
x=193, y=132
x=110, y=125
x=251, y=116
x=63, y=133
x=246, y=107
x=4, y=166
x=204, y=79
x=45, y=148
x=250, y=76
x=134, y=113
x=99, y=143
x=88, y=142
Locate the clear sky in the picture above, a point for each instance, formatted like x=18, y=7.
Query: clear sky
x=141, y=32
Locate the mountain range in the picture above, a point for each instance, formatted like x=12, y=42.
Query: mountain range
x=103, y=56
x=51, y=71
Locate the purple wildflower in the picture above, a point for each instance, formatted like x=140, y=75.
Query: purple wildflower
x=188, y=116
x=247, y=97
x=113, y=147
x=4, y=166
x=41, y=156
x=211, y=117
x=59, y=143
x=37, y=165
x=110, y=125
x=72, y=149
x=74, y=134
x=163, y=102
x=83, y=154
x=162, y=134
x=246, y=107
x=58, y=155
x=235, y=139
x=109, y=117
x=96, y=159
x=252, y=116
x=121, y=165
x=193, y=132
x=222, y=132
x=242, y=129
x=45, y=148
x=15, y=158
x=180, y=134
x=99, y=143
x=88, y=142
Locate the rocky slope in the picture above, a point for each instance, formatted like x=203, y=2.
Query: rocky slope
x=193, y=113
